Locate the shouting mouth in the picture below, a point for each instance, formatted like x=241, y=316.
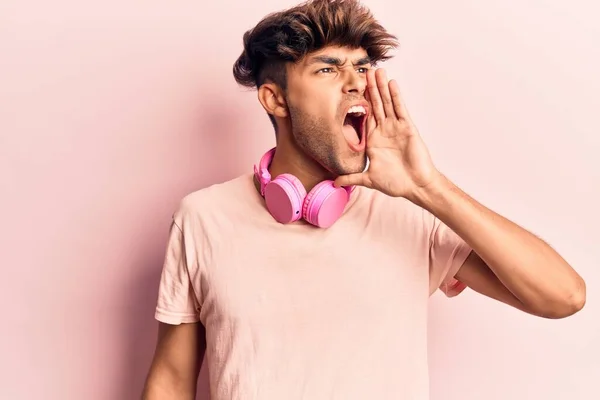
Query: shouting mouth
x=354, y=126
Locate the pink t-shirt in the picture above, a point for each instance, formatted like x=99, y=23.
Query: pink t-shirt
x=298, y=312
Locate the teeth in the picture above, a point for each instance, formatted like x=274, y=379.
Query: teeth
x=357, y=110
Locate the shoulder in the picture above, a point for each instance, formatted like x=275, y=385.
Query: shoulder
x=221, y=198
x=394, y=209
x=396, y=217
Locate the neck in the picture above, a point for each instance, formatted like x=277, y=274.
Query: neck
x=288, y=158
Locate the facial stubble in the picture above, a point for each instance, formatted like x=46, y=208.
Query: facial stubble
x=318, y=139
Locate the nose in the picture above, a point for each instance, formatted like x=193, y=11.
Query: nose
x=355, y=83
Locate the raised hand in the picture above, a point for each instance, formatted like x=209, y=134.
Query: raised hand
x=399, y=162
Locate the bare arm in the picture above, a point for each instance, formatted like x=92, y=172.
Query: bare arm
x=509, y=263
x=176, y=364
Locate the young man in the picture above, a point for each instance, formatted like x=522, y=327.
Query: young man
x=309, y=277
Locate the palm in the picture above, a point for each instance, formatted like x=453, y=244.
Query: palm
x=398, y=164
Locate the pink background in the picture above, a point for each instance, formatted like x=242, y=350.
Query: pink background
x=111, y=111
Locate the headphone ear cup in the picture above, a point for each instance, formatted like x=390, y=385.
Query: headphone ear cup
x=324, y=204
x=285, y=196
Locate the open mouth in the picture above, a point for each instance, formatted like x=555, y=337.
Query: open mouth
x=354, y=124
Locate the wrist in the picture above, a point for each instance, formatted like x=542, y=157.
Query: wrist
x=434, y=195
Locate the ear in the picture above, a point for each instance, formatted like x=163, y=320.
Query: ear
x=272, y=99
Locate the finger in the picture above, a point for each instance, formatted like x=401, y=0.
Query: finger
x=375, y=98
x=384, y=93
x=358, y=179
x=398, y=103
x=370, y=124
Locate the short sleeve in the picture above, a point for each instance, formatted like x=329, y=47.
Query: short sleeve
x=177, y=302
x=447, y=253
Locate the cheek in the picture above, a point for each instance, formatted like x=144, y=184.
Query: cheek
x=323, y=105
x=315, y=108
x=317, y=103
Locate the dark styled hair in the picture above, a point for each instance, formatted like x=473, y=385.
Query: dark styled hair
x=289, y=35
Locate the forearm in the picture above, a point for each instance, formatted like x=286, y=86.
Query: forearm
x=536, y=274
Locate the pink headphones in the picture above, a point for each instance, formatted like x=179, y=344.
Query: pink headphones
x=287, y=200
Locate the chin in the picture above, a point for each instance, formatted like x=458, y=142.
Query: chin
x=358, y=168
x=355, y=163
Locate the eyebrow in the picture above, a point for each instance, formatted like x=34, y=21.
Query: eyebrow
x=336, y=61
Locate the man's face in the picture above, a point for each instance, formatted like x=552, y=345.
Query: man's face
x=321, y=89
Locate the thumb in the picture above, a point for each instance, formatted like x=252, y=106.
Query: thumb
x=359, y=178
